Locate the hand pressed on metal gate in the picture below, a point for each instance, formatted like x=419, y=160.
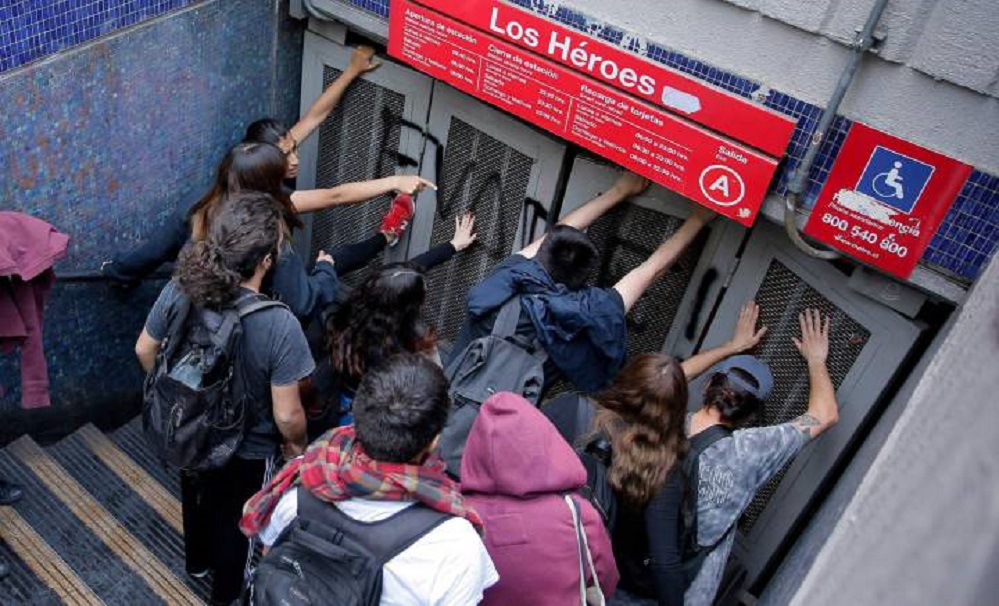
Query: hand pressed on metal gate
x=823, y=412
x=464, y=232
x=814, y=342
x=746, y=336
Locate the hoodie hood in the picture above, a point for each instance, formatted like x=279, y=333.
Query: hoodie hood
x=514, y=450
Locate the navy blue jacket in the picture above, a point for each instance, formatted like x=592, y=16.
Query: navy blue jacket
x=583, y=331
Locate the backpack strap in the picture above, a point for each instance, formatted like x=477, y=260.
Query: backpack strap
x=505, y=327
x=584, y=417
x=700, y=442
x=691, y=469
x=254, y=302
x=176, y=327
x=507, y=319
x=385, y=538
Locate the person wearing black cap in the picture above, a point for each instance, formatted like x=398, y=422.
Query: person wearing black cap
x=733, y=465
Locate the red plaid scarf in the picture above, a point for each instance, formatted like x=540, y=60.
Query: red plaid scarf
x=336, y=468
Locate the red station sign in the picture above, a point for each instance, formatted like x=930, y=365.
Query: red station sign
x=723, y=174
x=884, y=199
x=719, y=110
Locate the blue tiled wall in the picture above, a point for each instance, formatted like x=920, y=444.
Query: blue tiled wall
x=106, y=139
x=969, y=234
x=32, y=29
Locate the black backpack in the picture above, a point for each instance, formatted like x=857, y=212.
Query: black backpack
x=489, y=364
x=692, y=553
x=326, y=557
x=595, y=455
x=194, y=398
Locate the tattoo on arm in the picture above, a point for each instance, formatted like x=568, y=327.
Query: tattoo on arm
x=805, y=423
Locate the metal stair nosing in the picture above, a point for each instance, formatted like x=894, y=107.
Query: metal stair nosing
x=137, y=478
x=129, y=438
x=43, y=561
x=101, y=523
x=134, y=497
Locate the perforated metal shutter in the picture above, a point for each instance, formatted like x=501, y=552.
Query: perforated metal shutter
x=488, y=177
x=782, y=296
x=626, y=237
x=359, y=141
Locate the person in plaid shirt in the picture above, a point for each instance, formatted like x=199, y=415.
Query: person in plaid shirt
x=384, y=463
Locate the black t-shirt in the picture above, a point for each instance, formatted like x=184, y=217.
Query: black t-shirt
x=274, y=353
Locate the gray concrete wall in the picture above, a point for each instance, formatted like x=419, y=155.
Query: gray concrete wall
x=792, y=571
x=935, y=82
x=923, y=526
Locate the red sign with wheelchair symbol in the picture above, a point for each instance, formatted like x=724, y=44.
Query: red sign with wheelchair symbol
x=884, y=199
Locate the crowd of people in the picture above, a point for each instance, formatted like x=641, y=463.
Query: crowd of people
x=337, y=477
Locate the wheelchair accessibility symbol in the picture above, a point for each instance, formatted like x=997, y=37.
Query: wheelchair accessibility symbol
x=894, y=179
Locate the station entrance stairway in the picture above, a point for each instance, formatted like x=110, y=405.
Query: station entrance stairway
x=99, y=523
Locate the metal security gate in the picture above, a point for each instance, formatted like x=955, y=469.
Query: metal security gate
x=366, y=137
x=868, y=343
x=488, y=163
x=668, y=316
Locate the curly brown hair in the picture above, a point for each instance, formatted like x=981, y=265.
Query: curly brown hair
x=381, y=318
x=643, y=412
x=247, y=229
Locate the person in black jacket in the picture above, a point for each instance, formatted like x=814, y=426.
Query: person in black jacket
x=381, y=318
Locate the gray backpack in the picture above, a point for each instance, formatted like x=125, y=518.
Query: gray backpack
x=488, y=365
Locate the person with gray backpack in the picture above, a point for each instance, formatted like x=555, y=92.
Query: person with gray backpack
x=221, y=399
x=535, y=319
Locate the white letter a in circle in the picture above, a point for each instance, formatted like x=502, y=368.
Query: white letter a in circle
x=720, y=184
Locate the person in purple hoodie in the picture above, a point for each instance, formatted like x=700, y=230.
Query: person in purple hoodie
x=516, y=472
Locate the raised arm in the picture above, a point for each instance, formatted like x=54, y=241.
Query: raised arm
x=823, y=412
x=744, y=338
x=636, y=281
x=311, y=200
x=360, y=62
x=626, y=186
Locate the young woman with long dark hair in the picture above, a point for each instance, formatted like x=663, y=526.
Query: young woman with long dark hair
x=382, y=317
x=636, y=427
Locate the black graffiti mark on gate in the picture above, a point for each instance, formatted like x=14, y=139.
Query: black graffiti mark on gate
x=447, y=200
x=700, y=302
x=607, y=277
x=389, y=122
x=448, y=206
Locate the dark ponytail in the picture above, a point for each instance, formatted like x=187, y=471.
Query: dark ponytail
x=246, y=230
x=736, y=405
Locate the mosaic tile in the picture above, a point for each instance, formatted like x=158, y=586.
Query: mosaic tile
x=106, y=141
x=33, y=29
